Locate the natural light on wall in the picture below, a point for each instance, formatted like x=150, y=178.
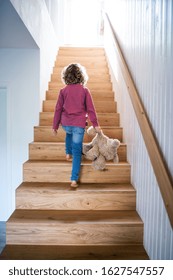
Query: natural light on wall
x=83, y=22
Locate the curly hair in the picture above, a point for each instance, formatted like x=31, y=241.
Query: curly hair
x=74, y=73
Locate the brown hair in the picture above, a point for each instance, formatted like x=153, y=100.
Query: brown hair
x=74, y=74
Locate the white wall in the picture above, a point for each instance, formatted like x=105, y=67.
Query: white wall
x=19, y=77
x=56, y=12
x=36, y=18
x=14, y=33
x=3, y=153
x=144, y=30
x=28, y=47
x=19, y=89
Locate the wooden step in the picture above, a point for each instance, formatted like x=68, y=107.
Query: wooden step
x=59, y=196
x=52, y=227
x=92, y=78
x=44, y=134
x=101, y=106
x=110, y=119
x=97, y=94
x=104, y=86
x=89, y=70
x=74, y=252
x=56, y=151
x=81, y=51
x=90, y=64
x=83, y=60
x=60, y=171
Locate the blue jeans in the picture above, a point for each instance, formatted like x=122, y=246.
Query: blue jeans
x=73, y=146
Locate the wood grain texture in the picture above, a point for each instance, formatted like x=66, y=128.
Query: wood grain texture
x=93, y=77
x=76, y=227
x=74, y=252
x=97, y=94
x=87, y=197
x=91, y=64
x=44, y=134
x=81, y=51
x=101, y=107
x=56, y=151
x=103, y=86
x=111, y=119
x=60, y=171
x=90, y=70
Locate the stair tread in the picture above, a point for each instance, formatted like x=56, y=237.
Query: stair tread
x=56, y=151
x=98, y=114
x=74, y=252
x=60, y=196
x=103, y=128
x=94, y=91
x=58, y=143
x=100, y=105
x=83, y=188
x=46, y=118
x=76, y=217
x=68, y=163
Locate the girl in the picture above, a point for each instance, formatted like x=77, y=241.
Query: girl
x=73, y=106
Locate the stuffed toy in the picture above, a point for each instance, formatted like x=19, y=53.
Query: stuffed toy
x=101, y=149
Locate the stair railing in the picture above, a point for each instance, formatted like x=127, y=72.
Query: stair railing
x=161, y=171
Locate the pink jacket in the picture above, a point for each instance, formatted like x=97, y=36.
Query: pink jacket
x=73, y=106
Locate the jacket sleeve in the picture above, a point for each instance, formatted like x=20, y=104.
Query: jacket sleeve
x=91, y=109
x=58, y=111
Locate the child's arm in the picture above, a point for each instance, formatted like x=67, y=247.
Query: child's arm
x=58, y=112
x=91, y=110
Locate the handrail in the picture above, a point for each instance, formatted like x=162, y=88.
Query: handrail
x=161, y=171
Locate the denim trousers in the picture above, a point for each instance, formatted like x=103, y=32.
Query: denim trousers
x=73, y=146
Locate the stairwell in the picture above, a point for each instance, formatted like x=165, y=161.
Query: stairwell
x=99, y=219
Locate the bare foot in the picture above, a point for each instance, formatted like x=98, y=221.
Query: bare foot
x=68, y=157
x=74, y=184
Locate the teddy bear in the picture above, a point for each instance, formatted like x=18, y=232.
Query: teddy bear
x=100, y=149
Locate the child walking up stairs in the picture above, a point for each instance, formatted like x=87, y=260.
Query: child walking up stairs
x=96, y=221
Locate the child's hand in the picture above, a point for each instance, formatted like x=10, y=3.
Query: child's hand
x=54, y=131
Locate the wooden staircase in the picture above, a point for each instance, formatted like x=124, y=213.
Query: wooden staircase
x=99, y=219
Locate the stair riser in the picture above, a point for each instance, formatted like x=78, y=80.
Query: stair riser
x=62, y=56
x=56, y=200
x=82, y=252
x=81, y=52
x=81, y=60
x=46, y=119
x=56, y=151
x=96, y=95
x=101, y=106
x=52, y=172
x=44, y=134
x=90, y=64
x=91, y=86
x=69, y=234
x=96, y=78
x=89, y=70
